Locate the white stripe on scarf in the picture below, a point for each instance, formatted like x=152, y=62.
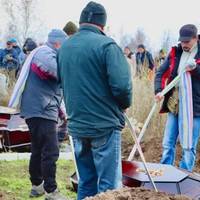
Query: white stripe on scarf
x=15, y=100
x=185, y=117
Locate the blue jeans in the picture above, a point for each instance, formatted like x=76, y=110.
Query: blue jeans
x=170, y=139
x=99, y=163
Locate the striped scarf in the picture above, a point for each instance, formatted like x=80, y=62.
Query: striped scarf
x=185, y=110
x=185, y=100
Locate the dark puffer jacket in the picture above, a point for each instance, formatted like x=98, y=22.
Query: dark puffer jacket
x=169, y=70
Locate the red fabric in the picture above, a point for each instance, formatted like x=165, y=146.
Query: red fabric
x=194, y=72
x=198, y=61
x=167, y=74
x=42, y=74
x=61, y=114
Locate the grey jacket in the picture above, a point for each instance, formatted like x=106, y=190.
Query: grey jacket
x=42, y=93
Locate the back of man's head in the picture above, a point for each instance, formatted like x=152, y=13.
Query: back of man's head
x=93, y=13
x=56, y=36
x=70, y=28
x=30, y=45
x=14, y=41
x=141, y=46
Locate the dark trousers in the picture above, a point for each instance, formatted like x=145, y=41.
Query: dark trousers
x=44, y=152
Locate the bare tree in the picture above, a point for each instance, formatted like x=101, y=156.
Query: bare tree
x=26, y=7
x=124, y=39
x=11, y=23
x=133, y=41
x=167, y=40
x=140, y=37
x=21, y=18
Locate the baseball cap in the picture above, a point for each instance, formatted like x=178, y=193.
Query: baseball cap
x=187, y=32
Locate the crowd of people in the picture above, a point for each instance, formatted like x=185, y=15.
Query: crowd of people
x=12, y=57
x=88, y=72
x=142, y=63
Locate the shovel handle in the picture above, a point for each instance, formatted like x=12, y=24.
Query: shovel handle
x=133, y=151
x=73, y=154
x=140, y=152
x=164, y=91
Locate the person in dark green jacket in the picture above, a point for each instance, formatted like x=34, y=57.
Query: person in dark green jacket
x=96, y=82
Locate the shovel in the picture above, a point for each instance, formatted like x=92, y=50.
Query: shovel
x=140, y=151
x=75, y=176
x=164, y=91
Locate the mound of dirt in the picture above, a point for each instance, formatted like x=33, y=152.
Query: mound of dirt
x=136, y=194
x=152, y=149
x=4, y=196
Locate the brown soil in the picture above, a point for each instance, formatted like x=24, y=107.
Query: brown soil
x=152, y=149
x=136, y=194
x=4, y=196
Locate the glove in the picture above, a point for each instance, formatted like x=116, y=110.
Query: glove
x=191, y=64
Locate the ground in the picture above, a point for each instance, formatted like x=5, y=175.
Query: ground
x=135, y=194
x=152, y=149
x=15, y=184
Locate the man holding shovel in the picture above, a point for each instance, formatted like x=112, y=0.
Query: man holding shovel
x=182, y=102
x=97, y=88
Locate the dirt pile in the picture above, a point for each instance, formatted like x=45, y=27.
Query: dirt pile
x=136, y=194
x=152, y=149
x=4, y=196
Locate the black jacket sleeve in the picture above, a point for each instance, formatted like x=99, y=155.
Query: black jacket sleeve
x=196, y=72
x=151, y=61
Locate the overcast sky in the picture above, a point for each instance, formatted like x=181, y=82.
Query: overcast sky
x=154, y=16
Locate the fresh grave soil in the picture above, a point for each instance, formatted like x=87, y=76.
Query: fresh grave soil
x=1, y=195
x=136, y=194
x=152, y=149
x=5, y=196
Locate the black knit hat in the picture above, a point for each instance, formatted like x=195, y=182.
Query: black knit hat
x=30, y=45
x=93, y=13
x=141, y=46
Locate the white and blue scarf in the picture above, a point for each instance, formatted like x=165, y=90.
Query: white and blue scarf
x=15, y=100
x=185, y=116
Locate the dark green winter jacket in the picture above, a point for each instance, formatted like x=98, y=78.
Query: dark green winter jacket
x=96, y=81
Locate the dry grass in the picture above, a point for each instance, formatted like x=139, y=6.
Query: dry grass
x=10, y=84
x=143, y=100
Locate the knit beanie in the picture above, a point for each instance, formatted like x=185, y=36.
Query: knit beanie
x=30, y=45
x=13, y=40
x=56, y=35
x=70, y=28
x=93, y=13
x=141, y=46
